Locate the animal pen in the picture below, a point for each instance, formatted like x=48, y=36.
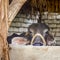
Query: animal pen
x=16, y=16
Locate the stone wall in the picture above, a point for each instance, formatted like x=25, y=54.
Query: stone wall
x=20, y=24
x=35, y=53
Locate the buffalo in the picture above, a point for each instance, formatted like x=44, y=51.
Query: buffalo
x=40, y=35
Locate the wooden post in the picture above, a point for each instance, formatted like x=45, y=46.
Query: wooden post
x=5, y=16
x=3, y=29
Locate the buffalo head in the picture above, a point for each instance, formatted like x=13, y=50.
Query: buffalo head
x=40, y=34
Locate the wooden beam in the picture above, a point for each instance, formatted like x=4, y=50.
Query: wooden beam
x=13, y=9
x=56, y=6
x=52, y=6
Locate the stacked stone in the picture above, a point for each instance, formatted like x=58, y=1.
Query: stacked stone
x=20, y=24
x=53, y=21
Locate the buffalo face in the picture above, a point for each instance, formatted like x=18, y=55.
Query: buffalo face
x=41, y=33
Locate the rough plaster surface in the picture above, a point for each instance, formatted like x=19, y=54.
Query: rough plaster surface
x=35, y=53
